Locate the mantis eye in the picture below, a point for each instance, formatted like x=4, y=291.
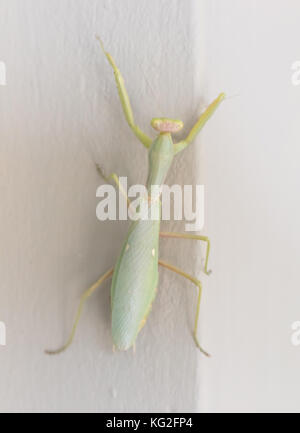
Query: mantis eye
x=164, y=125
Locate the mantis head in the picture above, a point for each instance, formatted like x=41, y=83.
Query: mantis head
x=164, y=125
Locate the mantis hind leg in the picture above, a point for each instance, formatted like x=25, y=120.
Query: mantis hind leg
x=84, y=298
x=192, y=237
x=199, y=285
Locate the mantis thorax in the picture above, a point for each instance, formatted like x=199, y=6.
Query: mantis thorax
x=161, y=156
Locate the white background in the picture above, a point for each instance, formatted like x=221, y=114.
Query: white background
x=60, y=114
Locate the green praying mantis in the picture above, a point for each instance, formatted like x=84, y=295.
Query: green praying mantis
x=136, y=273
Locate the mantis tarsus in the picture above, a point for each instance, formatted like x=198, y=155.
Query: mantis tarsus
x=135, y=275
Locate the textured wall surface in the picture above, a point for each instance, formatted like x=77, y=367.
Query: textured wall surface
x=60, y=114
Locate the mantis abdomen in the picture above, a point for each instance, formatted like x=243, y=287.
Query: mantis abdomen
x=135, y=282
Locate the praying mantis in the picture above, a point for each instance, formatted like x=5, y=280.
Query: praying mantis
x=136, y=273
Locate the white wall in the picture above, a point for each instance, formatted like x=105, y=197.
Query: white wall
x=60, y=114
x=251, y=169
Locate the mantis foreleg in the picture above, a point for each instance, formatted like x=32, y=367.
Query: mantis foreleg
x=201, y=122
x=84, y=298
x=199, y=285
x=125, y=101
x=193, y=237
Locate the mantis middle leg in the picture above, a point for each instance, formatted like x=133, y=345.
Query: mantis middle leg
x=192, y=237
x=199, y=285
x=84, y=298
x=116, y=180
